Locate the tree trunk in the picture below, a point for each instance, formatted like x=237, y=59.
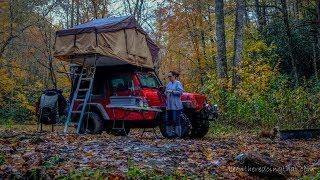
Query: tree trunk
x=211, y=30
x=72, y=14
x=95, y=8
x=264, y=14
x=317, y=48
x=318, y=10
x=67, y=18
x=314, y=45
x=51, y=72
x=258, y=13
x=221, y=41
x=201, y=20
x=105, y=9
x=195, y=43
x=78, y=12
x=4, y=44
x=139, y=12
x=202, y=39
x=247, y=16
x=290, y=42
x=238, y=41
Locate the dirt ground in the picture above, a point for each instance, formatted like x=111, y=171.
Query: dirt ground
x=25, y=153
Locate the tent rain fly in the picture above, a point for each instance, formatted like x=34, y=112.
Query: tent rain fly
x=116, y=41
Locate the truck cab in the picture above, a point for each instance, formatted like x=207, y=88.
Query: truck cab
x=125, y=84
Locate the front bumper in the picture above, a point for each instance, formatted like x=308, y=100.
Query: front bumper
x=187, y=105
x=210, y=112
x=207, y=111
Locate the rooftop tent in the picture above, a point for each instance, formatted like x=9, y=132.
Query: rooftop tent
x=115, y=41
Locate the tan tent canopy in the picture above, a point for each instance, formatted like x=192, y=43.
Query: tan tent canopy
x=115, y=41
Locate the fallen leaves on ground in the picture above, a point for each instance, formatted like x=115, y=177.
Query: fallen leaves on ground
x=25, y=154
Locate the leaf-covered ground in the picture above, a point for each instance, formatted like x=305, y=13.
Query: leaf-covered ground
x=29, y=154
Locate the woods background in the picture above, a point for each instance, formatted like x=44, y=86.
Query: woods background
x=257, y=59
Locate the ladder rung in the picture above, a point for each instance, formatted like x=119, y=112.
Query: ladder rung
x=85, y=89
x=70, y=73
x=118, y=128
x=148, y=130
x=86, y=79
x=87, y=74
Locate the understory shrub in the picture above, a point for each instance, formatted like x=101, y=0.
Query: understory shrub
x=15, y=114
x=280, y=104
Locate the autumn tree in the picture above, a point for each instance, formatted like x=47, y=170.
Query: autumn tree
x=220, y=38
x=134, y=8
x=285, y=16
x=238, y=40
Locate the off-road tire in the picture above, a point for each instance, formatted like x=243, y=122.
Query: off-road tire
x=184, y=121
x=121, y=132
x=200, y=128
x=91, y=123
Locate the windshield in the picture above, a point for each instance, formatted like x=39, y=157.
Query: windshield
x=148, y=80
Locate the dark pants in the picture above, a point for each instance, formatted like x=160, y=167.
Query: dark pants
x=174, y=117
x=173, y=123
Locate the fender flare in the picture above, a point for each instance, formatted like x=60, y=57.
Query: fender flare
x=100, y=108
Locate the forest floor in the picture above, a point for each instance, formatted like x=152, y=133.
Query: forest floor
x=25, y=153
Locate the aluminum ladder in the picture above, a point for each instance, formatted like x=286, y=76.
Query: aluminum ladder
x=87, y=75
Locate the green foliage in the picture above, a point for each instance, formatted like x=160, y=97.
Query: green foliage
x=84, y=174
x=313, y=176
x=280, y=104
x=36, y=174
x=15, y=113
x=317, y=175
x=52, y=161
x=2, y=159
x=218, y=128
x=134, y=173
x=302, y=37
x=265, y=97
x=17, y=96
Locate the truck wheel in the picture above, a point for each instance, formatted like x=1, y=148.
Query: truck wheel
x=121, y=132
x=167, y=127
x=185, y=124
x=200, y=128
x=91, y=124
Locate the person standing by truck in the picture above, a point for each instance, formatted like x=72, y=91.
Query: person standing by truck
x=174, y=106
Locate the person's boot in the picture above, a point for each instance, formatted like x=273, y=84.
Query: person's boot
x=178, y=131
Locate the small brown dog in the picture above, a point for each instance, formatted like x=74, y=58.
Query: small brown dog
x=272, y=134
